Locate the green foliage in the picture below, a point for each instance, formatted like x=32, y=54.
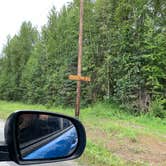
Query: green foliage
x=16, y=54
x=156, y=109
x=123, y=53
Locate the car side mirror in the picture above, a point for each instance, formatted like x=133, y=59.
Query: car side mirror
x=36, y=137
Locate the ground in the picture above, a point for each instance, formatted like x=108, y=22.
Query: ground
x=146, y=148
x=115, y=137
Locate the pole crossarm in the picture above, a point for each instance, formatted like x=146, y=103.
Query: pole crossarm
x=79, y=78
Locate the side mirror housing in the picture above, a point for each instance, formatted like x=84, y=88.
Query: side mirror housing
x=36, y=137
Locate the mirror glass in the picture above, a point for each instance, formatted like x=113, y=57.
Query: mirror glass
x=43, y=136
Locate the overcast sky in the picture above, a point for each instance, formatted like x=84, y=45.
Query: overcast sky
x=14, y=12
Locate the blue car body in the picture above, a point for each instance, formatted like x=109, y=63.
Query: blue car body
x=59, y=147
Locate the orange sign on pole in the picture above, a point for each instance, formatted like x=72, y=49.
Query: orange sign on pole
x=79, y=78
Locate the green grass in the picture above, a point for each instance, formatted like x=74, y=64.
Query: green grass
x=104, y=122
x=6, y=108
x=110, y=117
x=97, y=155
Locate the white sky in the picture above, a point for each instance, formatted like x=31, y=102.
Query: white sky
x=14, y=12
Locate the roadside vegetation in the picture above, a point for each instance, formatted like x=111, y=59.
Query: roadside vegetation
x=123, y=53
x=115, y=137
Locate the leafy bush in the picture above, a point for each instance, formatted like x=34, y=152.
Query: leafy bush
x=156, y=108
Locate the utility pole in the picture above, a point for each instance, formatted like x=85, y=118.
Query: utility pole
x=80, y=50
x=78, y=77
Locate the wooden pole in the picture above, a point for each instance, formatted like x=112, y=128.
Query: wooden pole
x=80, y=48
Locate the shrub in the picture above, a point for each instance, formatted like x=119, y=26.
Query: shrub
x=156, y=108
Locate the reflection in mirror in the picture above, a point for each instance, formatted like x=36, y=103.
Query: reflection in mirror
x=42, y=136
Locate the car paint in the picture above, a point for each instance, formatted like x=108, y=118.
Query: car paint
x=61, y=146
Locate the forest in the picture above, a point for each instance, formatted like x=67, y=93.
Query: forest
x=124, y=53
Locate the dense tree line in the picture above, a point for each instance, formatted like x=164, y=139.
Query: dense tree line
x=124, y=54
